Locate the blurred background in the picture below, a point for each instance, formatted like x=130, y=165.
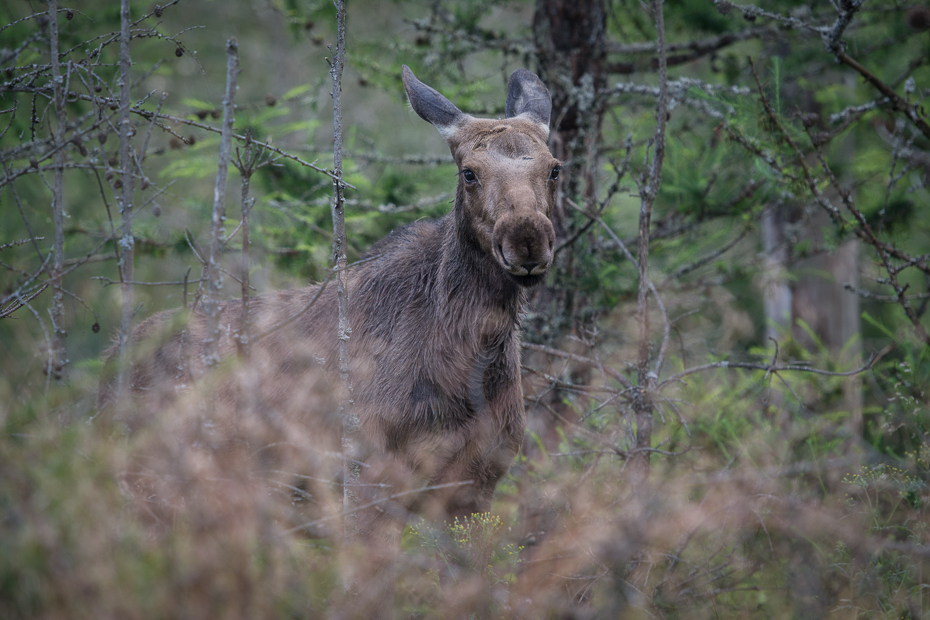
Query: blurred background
x=786, y=447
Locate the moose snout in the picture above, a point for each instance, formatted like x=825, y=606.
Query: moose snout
x=523, y=246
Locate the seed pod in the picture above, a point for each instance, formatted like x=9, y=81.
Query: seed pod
x=178, y=52
x=80, y=146
x=156, y=210
x=34, y=162
x=270, y=100
x=69, y=15
x=809, y=120
x=159, y=9
x=144, y=184
x=819, y=138
x=95, y=327
x=102, y=136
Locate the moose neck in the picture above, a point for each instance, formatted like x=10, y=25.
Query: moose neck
x=469, y=272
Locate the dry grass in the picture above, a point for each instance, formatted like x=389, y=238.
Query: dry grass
x=771, y=513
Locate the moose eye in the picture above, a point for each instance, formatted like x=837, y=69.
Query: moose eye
x=554, y=175
x=470, y=177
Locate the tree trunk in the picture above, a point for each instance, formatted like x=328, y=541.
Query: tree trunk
x=832, y=312
x=570, y=49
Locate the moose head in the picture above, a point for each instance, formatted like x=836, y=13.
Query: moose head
x=507, y=176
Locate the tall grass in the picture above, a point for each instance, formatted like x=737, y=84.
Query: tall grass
x=773, y=512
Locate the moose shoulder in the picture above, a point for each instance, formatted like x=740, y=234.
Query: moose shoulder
x=434, y=313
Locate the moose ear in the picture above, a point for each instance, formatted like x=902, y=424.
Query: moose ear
x=526, y=94
x=431, y=106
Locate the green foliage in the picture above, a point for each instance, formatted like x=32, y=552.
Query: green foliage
x=772, y=494
x=471, y=544
x=886, y=583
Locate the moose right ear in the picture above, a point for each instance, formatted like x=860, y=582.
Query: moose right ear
x=528, y=96
x=431, y=106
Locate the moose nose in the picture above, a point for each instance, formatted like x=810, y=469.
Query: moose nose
x=530, y=266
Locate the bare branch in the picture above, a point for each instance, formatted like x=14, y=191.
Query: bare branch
x=772, y=368
x=863, y=231
x=912, y=112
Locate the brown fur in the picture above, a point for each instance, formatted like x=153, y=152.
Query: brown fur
x=434, y=345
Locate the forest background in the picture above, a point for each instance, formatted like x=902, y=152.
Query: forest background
x=726, y=372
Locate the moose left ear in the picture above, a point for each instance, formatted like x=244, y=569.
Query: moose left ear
x=432, y=106
x=527, y=95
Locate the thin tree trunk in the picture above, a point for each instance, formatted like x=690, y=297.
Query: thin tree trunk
x=821, y=300
x=350, y=422
x=570, y=39
x=126, y=241
x=246, y=169
x=649, y=189
x=57, y=357
x=213, y=273
x=776, y=292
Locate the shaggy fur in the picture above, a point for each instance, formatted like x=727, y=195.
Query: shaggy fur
x=434, y=314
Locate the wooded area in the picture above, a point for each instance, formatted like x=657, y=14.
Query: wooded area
x=725, y=372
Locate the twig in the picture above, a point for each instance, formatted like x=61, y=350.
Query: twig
x=376, y=502
x=770, y=368
x=576, y=358
x=107, y=282
x=897, y=102
x=710, y=257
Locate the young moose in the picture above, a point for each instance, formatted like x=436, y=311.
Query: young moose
x=434, y=314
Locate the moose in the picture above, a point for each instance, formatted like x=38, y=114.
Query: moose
x=434, y=310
